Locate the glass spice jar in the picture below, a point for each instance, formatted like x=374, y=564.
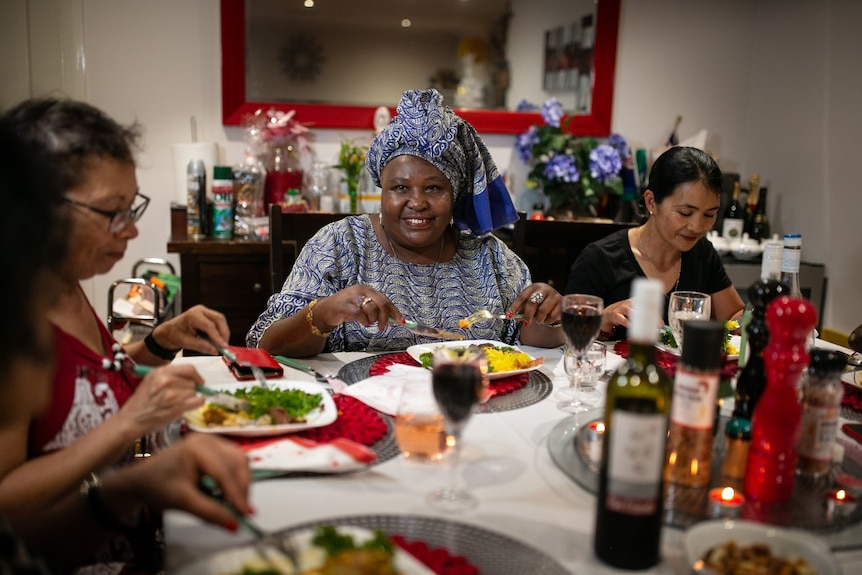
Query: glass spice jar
x=821, y=406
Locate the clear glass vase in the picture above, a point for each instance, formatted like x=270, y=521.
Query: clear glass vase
x=284, y=172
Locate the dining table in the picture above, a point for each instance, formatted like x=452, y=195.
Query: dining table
x=505, y=462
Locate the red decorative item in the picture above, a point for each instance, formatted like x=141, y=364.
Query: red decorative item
x=438, y=559
x=668, y=361
x=852, y=396
x=500, y=386
x=356, y=421
x=775, y=426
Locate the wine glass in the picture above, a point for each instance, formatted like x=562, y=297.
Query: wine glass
x=458, y=381
x=683, y=306
x=582, y=319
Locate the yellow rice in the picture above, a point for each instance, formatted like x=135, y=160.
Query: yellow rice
x=506, y=359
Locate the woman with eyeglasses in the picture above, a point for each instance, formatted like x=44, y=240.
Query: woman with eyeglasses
x=98, y=407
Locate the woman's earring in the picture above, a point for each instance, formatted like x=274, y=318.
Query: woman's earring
x=380, y=217
x=452, y=221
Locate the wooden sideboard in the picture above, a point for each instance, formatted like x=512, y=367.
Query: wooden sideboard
x=234, y=276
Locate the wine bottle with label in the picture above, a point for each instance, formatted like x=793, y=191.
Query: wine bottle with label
x=629, y=501
x=751, y=202
x=760, y=222
x=733, y=220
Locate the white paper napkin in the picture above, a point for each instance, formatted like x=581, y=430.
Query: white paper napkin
x=382, y=392
x=298, y=454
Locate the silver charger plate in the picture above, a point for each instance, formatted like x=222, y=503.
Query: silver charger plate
x=538, y=387
x=687, y=506
x=490, y=552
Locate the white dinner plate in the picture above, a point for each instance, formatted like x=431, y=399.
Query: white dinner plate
x=782, y=542
x=324, y=415
x=415, y=351
x=734, y=339
x=852, y=377
x=231, y=561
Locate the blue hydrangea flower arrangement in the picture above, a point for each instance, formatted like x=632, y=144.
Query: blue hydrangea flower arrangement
x=573, y=171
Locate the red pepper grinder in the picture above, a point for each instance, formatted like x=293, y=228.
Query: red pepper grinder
x=775, y=426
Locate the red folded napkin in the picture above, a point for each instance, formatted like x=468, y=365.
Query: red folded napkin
x=500, y=386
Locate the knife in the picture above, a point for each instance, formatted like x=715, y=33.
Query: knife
x=426, y=330
x=217, y=397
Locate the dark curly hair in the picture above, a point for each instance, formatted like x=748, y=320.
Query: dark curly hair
x=45, y=147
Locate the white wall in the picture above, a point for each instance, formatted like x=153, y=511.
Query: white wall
x=777, y=84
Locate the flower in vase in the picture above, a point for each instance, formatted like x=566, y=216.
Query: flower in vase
x=572, y=171
x=351, y=160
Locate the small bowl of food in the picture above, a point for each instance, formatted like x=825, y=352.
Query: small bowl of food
x=731, y=547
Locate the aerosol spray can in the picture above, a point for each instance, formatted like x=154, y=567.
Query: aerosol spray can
x=196, y=212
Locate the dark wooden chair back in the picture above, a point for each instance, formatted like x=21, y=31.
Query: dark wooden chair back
x=288, y=234
x=549, y=247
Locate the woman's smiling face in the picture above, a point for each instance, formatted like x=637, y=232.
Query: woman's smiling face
x=416, y=204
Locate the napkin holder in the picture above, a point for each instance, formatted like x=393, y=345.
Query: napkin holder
x=252, y=356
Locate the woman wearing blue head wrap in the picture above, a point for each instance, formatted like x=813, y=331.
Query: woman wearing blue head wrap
x=428, y=256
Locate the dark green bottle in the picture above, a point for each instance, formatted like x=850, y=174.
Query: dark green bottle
x=629, y=502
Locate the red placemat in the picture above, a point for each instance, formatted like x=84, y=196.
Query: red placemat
x=500, y=386
x=356, y=421
x=438, y=559
x=667, y=361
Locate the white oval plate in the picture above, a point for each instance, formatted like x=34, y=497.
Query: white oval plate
x=233, y=560
x=324, y=415
x=734, y=339
x=782, y=542
x=852, y=377
x=415, y=351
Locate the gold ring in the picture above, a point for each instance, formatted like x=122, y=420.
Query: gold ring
x=362, y=301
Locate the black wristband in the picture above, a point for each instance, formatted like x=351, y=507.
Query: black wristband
x=91, y=491
x=157, y=350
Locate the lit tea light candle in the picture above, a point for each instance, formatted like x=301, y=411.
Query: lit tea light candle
x=725, y=502
x=595, y=432
x=839, y=501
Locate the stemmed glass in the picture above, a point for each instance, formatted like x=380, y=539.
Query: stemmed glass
x=458, y=382
x=582, y=319
x=683, y=306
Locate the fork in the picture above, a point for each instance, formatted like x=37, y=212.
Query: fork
x=484, y=314
x=321, y=377
x=264, y=539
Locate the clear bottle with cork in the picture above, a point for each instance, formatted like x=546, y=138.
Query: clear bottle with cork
x=791, y=259
x=822, y=392
x=692, y=412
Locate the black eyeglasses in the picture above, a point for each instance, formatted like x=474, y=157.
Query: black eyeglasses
x=119, y=219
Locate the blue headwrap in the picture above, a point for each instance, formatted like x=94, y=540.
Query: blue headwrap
x=425, y=128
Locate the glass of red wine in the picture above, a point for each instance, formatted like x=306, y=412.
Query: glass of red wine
x=458, y=382
x=582, y=319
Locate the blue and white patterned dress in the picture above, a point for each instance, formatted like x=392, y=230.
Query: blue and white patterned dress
x=483, y=273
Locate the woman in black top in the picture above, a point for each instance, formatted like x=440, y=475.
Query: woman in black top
x=682, y=199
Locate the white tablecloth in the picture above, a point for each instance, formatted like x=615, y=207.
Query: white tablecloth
x=505, y=463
